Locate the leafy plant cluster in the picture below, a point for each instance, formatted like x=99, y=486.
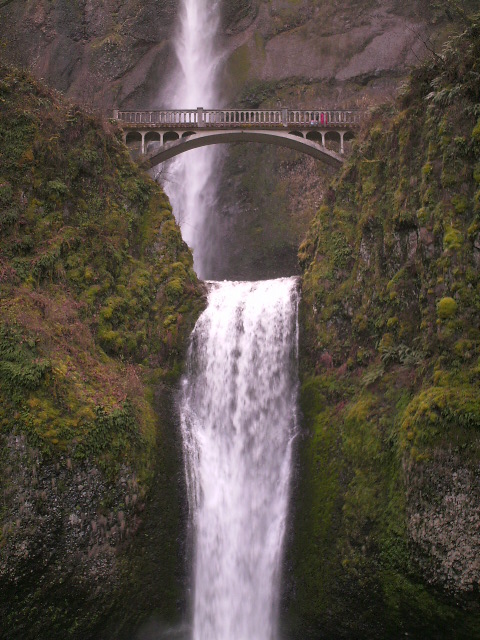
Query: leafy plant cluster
x=21, y=369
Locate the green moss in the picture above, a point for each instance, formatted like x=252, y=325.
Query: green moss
x=446, y=308
x=460, y=204
x=476, y=132
x=174, y=288
x=239, y=65
x=453, y=239
x=476, y=173
x=434, y=414
x=427, y=169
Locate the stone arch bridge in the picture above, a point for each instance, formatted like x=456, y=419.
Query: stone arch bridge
x=161, y=135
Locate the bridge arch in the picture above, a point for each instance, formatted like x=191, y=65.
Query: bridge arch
x=333, y=140
x=316, y=136
x=153, y=140
x=135, y=144
x=133, y=138
x=299, y=134
x=170, y=136
x=175, y=147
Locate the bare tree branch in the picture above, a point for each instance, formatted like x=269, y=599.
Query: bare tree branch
x=427, y=43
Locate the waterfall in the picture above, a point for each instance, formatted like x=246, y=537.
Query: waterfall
x=238, y=399
x=191, y=183
x=238, y=414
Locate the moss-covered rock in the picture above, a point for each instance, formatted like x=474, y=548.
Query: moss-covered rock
x=92, y=264
x=386, y=515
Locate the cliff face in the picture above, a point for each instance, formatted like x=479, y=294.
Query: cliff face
x=121, y=51
x=324, y=41
x=386, y=539
x=97, y=296
x=101, y=53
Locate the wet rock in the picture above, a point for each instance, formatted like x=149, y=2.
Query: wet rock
x=427, y=241
x=444, y=522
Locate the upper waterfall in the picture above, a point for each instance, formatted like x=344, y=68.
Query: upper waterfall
x=197, y=55
x=191, y=184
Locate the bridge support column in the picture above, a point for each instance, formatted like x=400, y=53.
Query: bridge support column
x=322, y=133
x=342, y=149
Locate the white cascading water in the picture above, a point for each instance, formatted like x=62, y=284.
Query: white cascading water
x=238, y=413
x=190, y=185
x=238, y=402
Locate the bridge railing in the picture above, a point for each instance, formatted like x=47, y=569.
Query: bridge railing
x=168, y=117
x=324, y=117
x=242, y=117
x=233, y=118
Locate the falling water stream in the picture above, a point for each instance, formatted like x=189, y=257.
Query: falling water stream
x=238, y=415
x=238, y=399
x=191, y=183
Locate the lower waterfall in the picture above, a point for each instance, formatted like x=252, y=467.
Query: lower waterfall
x=238, y=414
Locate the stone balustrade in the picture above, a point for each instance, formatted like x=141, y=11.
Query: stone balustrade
x=243, y=118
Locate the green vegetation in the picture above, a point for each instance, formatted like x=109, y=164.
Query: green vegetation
x=390, y=373
x=97, y=298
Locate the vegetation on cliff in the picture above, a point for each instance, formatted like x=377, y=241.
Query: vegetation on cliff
x=97, y=297
x=386, y=540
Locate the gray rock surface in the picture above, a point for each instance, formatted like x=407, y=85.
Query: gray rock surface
x=120, y=51
x=444, y=521
x=102, y=53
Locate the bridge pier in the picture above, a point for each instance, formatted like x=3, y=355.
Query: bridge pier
x=142, y=133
